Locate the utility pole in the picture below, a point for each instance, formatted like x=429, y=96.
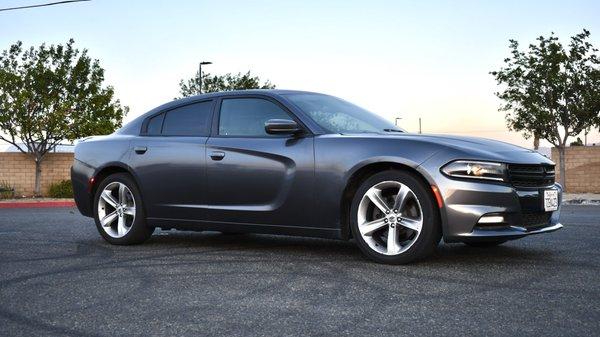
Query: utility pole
x=419, y=125
x=200, y=74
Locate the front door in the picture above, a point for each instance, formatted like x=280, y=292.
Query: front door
x=254, y=177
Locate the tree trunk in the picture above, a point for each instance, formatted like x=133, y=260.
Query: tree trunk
x=561, y=163
x=536, y=142
x=38, y=177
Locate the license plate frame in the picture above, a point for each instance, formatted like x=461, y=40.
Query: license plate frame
x=550, y=199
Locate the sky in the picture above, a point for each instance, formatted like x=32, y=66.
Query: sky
x=406, y=59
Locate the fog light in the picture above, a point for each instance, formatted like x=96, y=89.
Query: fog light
x=491, y=219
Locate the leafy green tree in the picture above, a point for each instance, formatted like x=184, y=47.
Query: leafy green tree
x=551, y=91
x=227, y=82
x=51, y=94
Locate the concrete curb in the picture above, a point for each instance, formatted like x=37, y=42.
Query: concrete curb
x=37, y=204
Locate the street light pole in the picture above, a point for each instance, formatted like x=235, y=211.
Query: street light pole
x=200, y=74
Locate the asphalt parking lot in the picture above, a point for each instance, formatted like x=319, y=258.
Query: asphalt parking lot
x=57, y=277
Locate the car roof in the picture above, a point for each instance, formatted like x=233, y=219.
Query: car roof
x=195, y=98
x=269, y=92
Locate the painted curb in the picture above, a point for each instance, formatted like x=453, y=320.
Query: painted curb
x=37, y=204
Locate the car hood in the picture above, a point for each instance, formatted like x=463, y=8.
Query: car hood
x=473, y=143
x=470, y=147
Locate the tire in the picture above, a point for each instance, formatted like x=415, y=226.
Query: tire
x=408, y=244
x=485, y=244
x=124, y=225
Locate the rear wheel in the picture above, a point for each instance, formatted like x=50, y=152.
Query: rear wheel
x=118, y=211
x=394, y=219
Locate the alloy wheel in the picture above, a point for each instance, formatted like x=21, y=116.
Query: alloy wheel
x=390, y=217
x=116, y=209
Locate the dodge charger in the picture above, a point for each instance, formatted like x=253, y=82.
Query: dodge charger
x=309, y=164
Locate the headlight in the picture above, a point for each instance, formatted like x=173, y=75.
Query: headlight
x=475, y=170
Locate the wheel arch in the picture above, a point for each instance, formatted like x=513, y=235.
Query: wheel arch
x=108, y=169
x=356, y=176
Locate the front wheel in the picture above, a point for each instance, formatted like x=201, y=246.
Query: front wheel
x=394, y=219
x=118, y=211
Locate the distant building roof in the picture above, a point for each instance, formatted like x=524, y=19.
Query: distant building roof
x=62, y=148
x=545, y=151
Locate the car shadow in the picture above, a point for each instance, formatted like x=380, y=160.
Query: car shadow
x=291, y=247
x=512, y=252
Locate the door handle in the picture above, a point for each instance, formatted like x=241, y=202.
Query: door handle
x=140, y=149
x=217, y=155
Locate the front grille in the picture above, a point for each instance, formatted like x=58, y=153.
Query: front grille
x=531, y=176
x=536, y=219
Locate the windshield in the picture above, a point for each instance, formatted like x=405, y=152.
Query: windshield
x=338, y=116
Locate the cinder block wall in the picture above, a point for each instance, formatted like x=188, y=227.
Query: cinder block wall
x=583, y=168
x=18, y=170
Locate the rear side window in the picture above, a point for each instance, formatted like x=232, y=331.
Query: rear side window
x=155, y=125
x=188, y=120
x=246, y=117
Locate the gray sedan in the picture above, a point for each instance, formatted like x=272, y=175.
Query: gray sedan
x=303, y=163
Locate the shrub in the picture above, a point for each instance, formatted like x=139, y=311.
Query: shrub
x=6, y=190
x=61, y=189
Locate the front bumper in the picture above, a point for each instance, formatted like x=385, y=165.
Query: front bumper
x=512, y=232
x=521, y=210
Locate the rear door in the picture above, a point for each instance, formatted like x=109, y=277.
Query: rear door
x=254, y=177
x=169, y=159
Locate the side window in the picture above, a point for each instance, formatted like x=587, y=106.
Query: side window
x=247, y=116
x=155, y=125
x=188, y=120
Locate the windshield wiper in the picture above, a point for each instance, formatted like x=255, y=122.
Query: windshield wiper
x=393, y=130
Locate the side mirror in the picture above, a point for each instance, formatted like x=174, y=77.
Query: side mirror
x=281, y=126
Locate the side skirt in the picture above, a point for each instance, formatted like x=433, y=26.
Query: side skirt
x=196, y=225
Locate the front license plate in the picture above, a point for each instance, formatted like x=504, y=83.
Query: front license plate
x=550, y=200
